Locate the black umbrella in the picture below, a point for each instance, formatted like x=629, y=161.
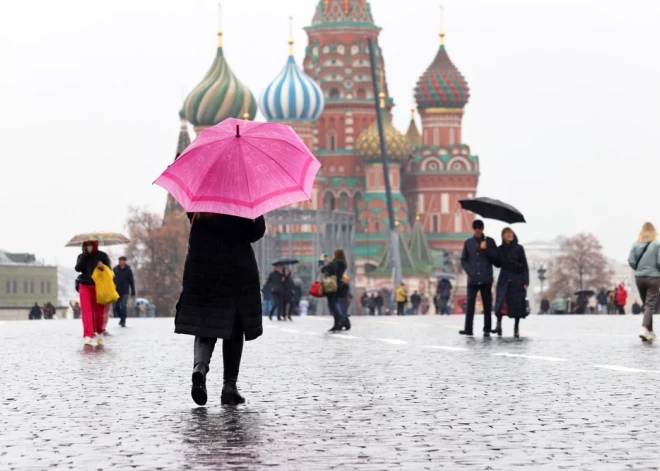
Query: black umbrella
x=586, y=292
x=446, y=276
x=490, y=208
x=285, y=261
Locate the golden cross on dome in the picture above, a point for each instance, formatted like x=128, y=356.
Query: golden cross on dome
x=291, y=40
x=219, y=24
x=442, y=24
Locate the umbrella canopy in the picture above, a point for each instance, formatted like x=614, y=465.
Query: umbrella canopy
x=585, y=292
x=374, y=290
x=242, y=168
x=285, y=261
x=103, y=238
x=445, y=276
x=490, y=208
x=141, y=301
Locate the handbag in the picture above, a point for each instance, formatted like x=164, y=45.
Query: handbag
x=106, y=293
x=329, y=284
x=316, y=290
x=639, y=259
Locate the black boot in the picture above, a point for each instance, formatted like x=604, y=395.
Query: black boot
x=198, y=390
x=516, y=329
x=347, y=324
x=466, y=332
x=232, y=351
x=498, y=327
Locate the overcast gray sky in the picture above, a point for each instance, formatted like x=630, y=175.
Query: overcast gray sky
x=564, y=113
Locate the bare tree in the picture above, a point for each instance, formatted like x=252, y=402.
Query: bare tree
x=581, y=265
x=158, y=251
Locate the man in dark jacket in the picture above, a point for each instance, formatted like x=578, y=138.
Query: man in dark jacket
x=479, y=255
x=601, y=299
x=444, y=292
x=35, y=312
x=276, y=284
x=125, y=284
x=416, y=301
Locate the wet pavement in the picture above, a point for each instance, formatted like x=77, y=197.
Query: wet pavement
x=394, y=393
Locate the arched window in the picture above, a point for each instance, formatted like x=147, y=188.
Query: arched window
x=329, y=201
x=344, y=202
x=362, y=93
x=334, y=94
x=332, y=140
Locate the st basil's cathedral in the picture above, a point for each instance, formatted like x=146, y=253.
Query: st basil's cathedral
x=329, y=101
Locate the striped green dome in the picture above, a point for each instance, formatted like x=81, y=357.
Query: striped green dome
x=219, y=96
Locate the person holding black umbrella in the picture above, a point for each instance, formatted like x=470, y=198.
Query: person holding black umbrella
x=478, y=257
x=276, y=283
x=512, y=282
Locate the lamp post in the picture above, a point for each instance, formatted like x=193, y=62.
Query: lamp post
x=541, y=273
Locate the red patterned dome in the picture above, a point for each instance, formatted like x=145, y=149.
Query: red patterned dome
x=442, y=85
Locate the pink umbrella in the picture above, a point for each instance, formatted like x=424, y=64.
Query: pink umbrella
x=242, y=168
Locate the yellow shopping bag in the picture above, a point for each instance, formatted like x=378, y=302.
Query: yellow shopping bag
x=106, y=293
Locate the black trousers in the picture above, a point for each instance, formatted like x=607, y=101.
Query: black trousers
x=486, y=291
x=400, y=307
x=232, y=351
x=278, y=304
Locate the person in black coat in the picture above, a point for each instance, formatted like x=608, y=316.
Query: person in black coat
x=125, y=285
x=512, y=283
x=337, y=267
x=276, y=285
x=221, y=296
x=479, y=255
x=289, y=291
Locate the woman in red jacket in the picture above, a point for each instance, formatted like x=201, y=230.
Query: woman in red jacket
x=621, y=298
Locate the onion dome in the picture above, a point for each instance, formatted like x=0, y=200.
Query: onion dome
x=293, y=95
x=442, y=85
x=397, y=145
x=219, y=96
x=343, y=11
x=413, y=135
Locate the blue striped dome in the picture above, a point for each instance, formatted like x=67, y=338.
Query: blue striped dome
x=292, y=96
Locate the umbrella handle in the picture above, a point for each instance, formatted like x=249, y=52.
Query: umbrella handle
x=238, y=132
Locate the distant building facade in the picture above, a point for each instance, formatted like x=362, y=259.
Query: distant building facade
x=23, y=281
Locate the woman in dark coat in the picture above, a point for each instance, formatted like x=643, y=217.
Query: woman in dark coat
x=337, y=268
x=221, y=296
x=512, y=283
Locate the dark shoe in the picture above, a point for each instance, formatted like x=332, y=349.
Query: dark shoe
x=122, y=325
x=270, y=317
x=230, y=395
x=516, y=332
x=486, y=334
x=198, y=391
x=466, y=332
x=347, y=324
x=335, y=328
x=498, y=328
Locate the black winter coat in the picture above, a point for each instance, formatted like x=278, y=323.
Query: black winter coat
x=221, y=278
x=86, y=263
x=477, y=263
x=124, y=281
x=514, y=276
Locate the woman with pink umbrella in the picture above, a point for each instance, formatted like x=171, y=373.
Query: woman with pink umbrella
x=230, y=176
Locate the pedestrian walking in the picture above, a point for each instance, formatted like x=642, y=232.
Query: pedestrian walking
x=49, y=311
x=372, y=304
x=611, y=302
x=92, y=312
x=266, y=299
x=512, y=282
x=601, y=299
x=444, y=291
x=545, y=306
x=35, y=312
x=559, y=305
x=401, y=298
x=125, y=285
x=221, y=296
x=336, y=268
x=75, y=307
x=379, y=303
x=644, y=258
x=479, y=253
x=621, y=299
x=416, y=301
x=364, y=303
x=276, y=284
x=289, y=292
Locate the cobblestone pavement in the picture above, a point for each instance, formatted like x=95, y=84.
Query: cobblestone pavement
x=395, y=393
